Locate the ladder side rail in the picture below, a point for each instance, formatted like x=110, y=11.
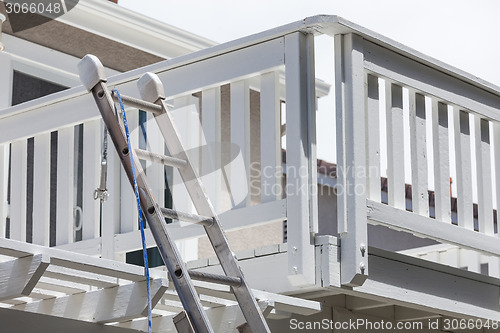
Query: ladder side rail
x=95, y=82
x=201, y=201
x=215, y=233
x=154, y=217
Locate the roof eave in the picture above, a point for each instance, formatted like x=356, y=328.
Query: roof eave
x=115, y=22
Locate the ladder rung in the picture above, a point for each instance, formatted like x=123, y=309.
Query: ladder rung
x=214, y=278
x=162, y=159
x=186, y=217
x=138, y=103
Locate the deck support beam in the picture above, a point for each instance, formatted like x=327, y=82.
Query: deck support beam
x=107, y=305
x=18, y=277
x=228, y=318
x=351, y=158
x=301, y=157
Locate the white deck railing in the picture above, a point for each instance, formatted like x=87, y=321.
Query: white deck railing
x=389, y=95
x=246, y=186
x=418, y=92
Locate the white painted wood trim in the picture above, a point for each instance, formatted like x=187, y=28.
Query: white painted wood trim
x=270, y=137
x=56, y=66
x=418, y=146
x=107, y=305
x=5, y=102
x=395, y=146
x=431, y=81
x=198, y=75
x=327, y=24
x=311, y=132
x=301, y=257
x=440, y=231
x=441, y=161
x=194, y=132
x=450, y=257
x=18, y=277
x=240, y=138
x=360, y=304
x=496, y=155
x=465, y=212
x=144, y=33
x=186, y=119
x=211, y=159
x=91, y=247
x=373, y=137
x=4, y=173
x=41, y=190
x=128, y=205
x=207, y=74
x=289, y=304
x=49, y=113
x=51, y=73
x=393, y=274
x=323, y=24
x=354, y=264
x=494, y=267
x=484, y=177
x=91, y=178
x=18, y=199
x=155, y=171
x=111, y=217
x=101, y=266
x=235, y=219
x=76, y=261
x=407, y=314
x=78, y=277
x=230, y=312
x=65, y=187
x=6, y=75
x=470, y=259
x=340, y=131
x=330, y=25
x=55, y=286
x=182, y=115
x=327, y=262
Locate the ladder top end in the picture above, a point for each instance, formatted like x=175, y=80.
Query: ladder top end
x=91, y=71
x=151, y=87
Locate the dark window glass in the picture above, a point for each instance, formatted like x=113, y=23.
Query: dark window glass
x=26, y=87
x=154, y=258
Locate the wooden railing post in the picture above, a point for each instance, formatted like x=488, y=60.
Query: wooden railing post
x=91, y=173
x=351, y=158
x=41, y=190
x=65, y=185
x=301, y=188
x=111, y=217
x=5, y=97
x=19, y=165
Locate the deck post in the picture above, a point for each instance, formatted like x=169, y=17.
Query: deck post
x=5, y=101
x=301, y=184
x=351, y=158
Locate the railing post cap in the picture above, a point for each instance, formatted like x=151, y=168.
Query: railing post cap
x=151, y=87
x=91, y=71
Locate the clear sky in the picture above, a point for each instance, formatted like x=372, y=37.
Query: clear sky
x=465, y=34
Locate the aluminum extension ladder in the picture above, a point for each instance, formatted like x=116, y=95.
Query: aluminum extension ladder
x=153, y=100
